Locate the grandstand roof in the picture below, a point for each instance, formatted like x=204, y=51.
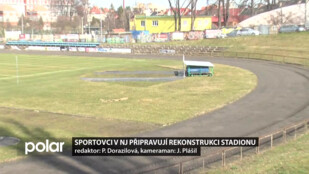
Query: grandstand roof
x=52, y=44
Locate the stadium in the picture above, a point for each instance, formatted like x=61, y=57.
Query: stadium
x=143, y=102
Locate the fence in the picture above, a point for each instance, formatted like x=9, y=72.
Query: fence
x=205, y=51
x=260, y=56
x=212, y=51
x=209, y=51
x=222, y=156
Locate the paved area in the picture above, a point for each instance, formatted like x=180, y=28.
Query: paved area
x=280, y=99
x=8, y=141
x=133, y=79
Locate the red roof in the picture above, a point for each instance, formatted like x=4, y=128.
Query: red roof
x=119, y=30
x=106, y=10
x=96, y=10
x=233, y=19
x=214, y=9
x=183, y=11
x=235, y=11
x=215, y=19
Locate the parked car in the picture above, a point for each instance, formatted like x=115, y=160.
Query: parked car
x=232, y=34
x=301, y=28
x=307, y=26
x=227, y=30
x=221, y=35
x=247, y=31
x=288, y=28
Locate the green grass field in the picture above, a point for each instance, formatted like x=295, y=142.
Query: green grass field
x=53, y=84
x=290, y=158
x=288, y=44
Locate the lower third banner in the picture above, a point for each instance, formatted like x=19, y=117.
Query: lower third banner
x=157, y=146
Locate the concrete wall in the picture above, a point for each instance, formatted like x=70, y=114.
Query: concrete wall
x=294, y=14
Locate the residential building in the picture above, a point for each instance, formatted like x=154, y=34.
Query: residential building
x=166, y=24
x=96, y=12
x=11, y=11
x=234, y=15
x=9, y=15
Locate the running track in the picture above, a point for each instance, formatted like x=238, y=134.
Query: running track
x=280, y=98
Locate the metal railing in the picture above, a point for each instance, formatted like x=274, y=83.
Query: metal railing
x=259, y=56
x=207, y=51
x=223, y=156
x=211, y=51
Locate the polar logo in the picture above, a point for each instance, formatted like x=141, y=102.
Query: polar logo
x=43, y=147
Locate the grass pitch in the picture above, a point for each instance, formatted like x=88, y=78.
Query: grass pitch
x=292, y=157
x=286, y=44
x=53, y=84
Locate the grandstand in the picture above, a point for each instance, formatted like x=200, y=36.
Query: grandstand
x=52, y=44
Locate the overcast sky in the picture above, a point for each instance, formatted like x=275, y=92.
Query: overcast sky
x=117, y=3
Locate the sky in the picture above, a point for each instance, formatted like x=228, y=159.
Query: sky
x=117, y=3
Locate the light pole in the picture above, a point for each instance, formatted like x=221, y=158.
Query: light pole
x=89, y=21
x=281, y=14
x=22, y=24
x=101, y=29
x=82, y=25
x=306, y=12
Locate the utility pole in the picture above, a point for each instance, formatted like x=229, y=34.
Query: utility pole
x=22, y=24
x=281, y=13
x=306, y=12
x=82, y=25
x=101, y=29
x=89, y=22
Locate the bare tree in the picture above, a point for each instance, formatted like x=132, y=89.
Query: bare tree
x=69, y=7
x=179, y=14
x=226, y=12
x=80, y=7
x=110, y=19
x=174, y=12
x=61, y=7
x=177, y=11
x=185, y=10
x=193, y=13
x=123, y=20
x=223, y=11
x=252, y=7
x=219, y=13
x=268, y=4
x=279, y=18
